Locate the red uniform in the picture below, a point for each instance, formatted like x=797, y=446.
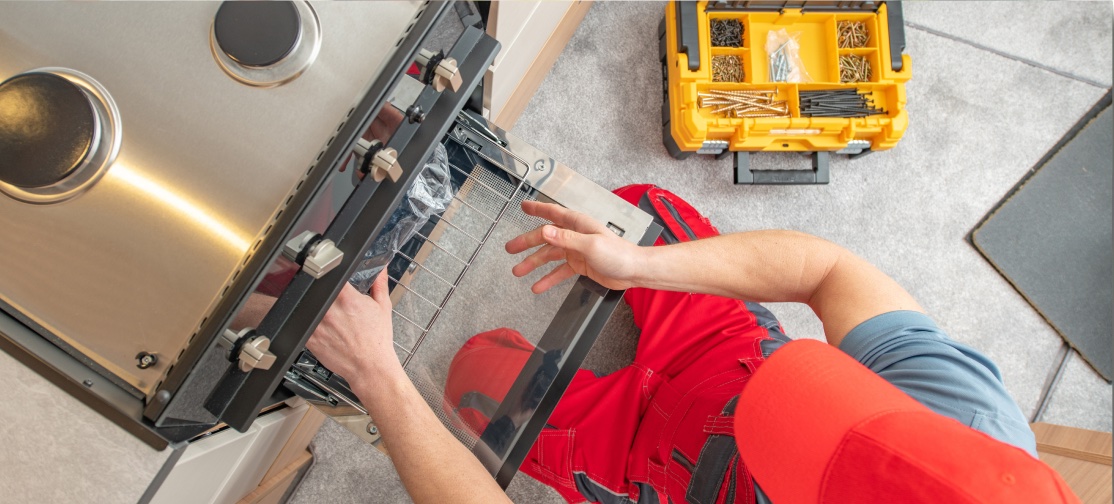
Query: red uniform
x=658, y=430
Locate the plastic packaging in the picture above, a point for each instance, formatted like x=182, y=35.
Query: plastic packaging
x=430, y=194
x=784, y=55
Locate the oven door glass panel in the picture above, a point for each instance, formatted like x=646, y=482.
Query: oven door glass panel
x=482, y=349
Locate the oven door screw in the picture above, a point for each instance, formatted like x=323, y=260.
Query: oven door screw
x=146, y=360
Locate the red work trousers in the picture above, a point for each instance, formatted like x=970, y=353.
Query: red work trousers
x=660, y=429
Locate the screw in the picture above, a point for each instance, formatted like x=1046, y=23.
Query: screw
x=727, y=69
x=146, y=360
x=726, y=33
x=837, y=103
x=854, y=68
x=539, y=165
x=372, y=429
x=414, y=114
x=744, y=103
x=852, y=34
x=87, y=383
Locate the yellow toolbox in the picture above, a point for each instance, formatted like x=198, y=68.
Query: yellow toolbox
x=733, y=81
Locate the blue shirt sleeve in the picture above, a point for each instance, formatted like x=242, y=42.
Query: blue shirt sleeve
x=908, y=350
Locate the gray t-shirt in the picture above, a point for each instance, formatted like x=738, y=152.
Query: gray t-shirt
x=908, y=350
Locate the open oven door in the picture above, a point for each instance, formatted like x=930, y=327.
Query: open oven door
x=450, y=275
x=452, y=280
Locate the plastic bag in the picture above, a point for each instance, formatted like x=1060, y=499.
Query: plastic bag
x=430, y=194
x=784, y=55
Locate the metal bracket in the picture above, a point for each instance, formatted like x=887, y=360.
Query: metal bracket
x=549, y=177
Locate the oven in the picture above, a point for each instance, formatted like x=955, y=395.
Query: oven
x=185, y=188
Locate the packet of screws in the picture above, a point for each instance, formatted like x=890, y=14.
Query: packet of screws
x=838, y=103
x=727, y=69
x=852, y=34
x=744, y=103
x=727, y=33
x=785, y=60
x=854, y=68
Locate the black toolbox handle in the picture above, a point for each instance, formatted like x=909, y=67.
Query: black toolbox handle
x=688, y=36
x=896, y=23
x=817, y=175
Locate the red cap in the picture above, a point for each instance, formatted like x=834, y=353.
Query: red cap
x=814, y=425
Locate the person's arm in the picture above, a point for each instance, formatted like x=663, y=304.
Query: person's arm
x=764, y=266
x=355, y=340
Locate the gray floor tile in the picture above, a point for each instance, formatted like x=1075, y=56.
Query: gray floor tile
x=1081, y=399
x=1070, y=37
x=348, y=470
x=56, y=448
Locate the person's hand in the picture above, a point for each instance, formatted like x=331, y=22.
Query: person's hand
x=355, y=337
x=385, y=124
x=585, y=245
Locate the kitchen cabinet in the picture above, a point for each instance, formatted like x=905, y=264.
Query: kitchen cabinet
x=532, y=34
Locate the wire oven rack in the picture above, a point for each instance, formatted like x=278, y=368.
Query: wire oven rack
x=449, y=245
x=449, y=282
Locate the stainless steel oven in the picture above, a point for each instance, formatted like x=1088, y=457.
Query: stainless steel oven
x=185, y=187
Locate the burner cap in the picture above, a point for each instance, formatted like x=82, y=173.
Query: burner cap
x=47, y=128
x=257, y=34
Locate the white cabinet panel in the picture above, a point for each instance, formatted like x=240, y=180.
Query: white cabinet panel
x=228, y=465
x=523, y=29
x=205, y=467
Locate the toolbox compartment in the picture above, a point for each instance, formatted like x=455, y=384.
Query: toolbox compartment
x=686, y=52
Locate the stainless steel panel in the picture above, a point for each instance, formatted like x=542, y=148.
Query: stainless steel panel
x=557, y=181
x=138, y=261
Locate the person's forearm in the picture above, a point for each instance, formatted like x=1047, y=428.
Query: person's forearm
x=770, y=266
x=779, y=266
x=433, y=465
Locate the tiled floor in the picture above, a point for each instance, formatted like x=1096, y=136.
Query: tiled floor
x=995, y=86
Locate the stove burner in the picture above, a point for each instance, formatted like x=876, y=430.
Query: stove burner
x=265, y=43
x=257, y=34
x=59, y=132
x=48, y=128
